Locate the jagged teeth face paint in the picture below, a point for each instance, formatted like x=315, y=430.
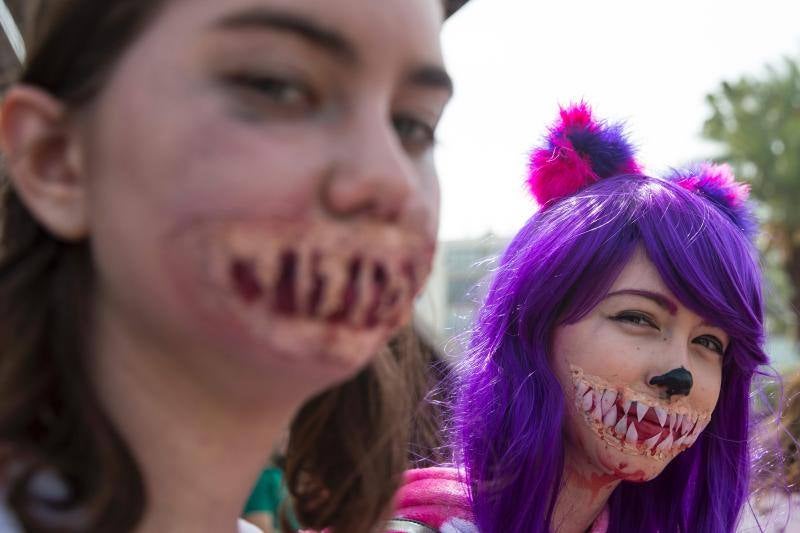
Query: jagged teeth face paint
x=281, y=284
x=617, y=423
x=635, y=423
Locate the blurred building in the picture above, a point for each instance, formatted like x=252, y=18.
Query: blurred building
x=461, y=272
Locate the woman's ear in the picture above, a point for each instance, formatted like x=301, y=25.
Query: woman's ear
x=43, y=160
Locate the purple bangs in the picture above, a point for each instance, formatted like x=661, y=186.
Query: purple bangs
x=510, y=406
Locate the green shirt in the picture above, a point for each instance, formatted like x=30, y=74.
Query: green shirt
x=268, y=495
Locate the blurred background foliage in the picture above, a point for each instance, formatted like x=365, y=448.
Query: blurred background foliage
x=756, y=121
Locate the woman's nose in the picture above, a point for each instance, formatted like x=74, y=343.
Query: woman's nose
x=374, y=177
x=676, y=382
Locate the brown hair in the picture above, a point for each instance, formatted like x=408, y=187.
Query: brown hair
x=351, y=441
x=349, y=446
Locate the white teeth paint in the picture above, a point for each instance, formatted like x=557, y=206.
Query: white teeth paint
x=586, y=402
x=662, y=415
x=621, y=428
x=631, y=435
x=626, y=406
x=597, y=412
x=686, y=424
x=598, y=395
x=666, y=444
x=609, y=397
x=641, y=410
x=612, y=413
x=611, y=418
x=649, y=443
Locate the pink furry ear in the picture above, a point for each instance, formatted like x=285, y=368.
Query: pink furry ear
x=718, y=184
x=578, y=151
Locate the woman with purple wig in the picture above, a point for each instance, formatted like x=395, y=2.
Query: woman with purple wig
x=607, y=383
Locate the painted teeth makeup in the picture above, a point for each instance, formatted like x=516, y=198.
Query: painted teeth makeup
x=641, y=410
x=662, y=415
x=363, y=277
x=633, y=422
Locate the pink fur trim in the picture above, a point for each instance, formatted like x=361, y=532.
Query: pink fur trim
x=432, y=496
x=717, y=178
x=558, y=173
x=565, y=164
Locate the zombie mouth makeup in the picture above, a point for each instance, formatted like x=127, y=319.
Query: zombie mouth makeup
x=361, y=276
x=633, y=422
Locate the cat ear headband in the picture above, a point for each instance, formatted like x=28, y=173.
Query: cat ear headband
x=580, y=150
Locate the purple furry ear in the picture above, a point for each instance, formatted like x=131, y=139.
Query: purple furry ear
x=579, y=151
x=718, y=184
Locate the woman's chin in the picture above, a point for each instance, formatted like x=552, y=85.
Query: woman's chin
x=625, y=466
x=318, y=348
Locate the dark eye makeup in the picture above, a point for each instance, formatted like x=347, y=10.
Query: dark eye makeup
x=710, y=342
x=636, y=318
x=415, y=134
x=286, y=95
x=275, y=90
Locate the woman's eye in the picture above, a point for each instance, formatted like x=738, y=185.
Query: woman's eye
x=416, y=135
x=278, y=91
x=710, y=342
x=637, y=319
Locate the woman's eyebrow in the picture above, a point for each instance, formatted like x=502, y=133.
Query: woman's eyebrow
x=326, y=39
x=433, y=77
x=660, y=299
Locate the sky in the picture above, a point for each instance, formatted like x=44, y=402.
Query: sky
x=649, y=64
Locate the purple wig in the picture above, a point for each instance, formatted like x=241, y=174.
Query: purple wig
x=510, y=406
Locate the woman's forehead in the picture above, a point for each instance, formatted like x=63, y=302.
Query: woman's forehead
x=640, y=273
x=391, y=32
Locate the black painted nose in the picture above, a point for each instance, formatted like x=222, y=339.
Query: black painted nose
x=677, y=381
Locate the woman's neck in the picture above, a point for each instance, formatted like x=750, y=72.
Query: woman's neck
x=200, y=435
x=583, y=496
